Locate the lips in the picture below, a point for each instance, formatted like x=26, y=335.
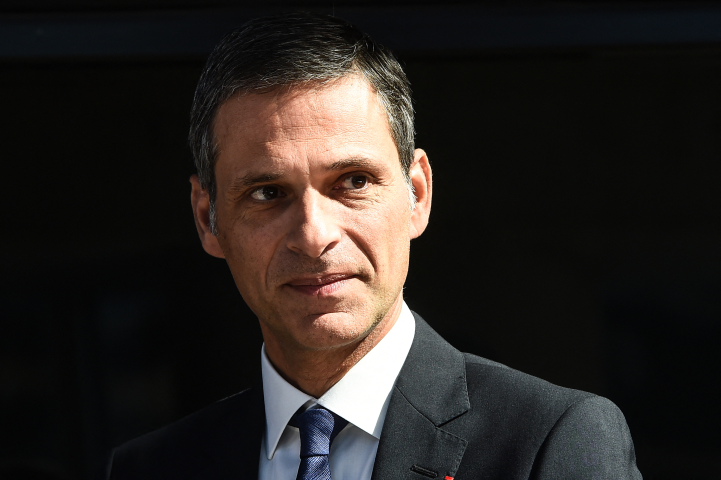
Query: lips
x=320, y=285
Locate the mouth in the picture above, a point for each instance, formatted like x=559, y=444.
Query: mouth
x=320, y=285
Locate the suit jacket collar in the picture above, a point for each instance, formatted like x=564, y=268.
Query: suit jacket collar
x=433, y=378
x=431, y=390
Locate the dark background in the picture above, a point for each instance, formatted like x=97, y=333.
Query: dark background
x=574, y=235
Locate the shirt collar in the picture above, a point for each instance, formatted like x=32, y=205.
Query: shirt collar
x=361, y=396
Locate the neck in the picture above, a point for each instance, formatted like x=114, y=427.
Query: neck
x=315, y=371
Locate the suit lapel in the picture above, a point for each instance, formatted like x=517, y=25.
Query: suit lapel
x=431, y=390
x=234, y=449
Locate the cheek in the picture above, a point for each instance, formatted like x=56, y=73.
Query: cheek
x=251, y=237
x=385, y=232
x=248, y=252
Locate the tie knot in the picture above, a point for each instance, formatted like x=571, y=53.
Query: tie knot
x=318, y=427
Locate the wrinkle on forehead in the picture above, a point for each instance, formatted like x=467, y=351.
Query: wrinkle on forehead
x=291, y=109
x=299, y=114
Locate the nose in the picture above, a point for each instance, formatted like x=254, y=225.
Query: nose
x=315, y=227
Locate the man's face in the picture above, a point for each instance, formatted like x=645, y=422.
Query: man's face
x=313, y=212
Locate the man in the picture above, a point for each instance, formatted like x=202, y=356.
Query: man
x=310, y=187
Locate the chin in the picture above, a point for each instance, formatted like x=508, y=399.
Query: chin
x=334, y=330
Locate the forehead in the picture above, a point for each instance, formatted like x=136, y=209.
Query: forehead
x=306, y=123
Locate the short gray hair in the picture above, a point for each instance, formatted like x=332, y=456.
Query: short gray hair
x=288, y=50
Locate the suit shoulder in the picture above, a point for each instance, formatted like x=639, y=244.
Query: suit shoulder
x=553, y=432
x=514, y=389
x=188, y=427
x=590, y=440
x=175, y=450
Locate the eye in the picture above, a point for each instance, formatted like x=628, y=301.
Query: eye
x=267, y=193
x=355, y=182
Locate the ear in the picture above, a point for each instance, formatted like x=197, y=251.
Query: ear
x=200, y=200
x=421, y=178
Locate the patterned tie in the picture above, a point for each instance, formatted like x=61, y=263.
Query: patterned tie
x=318, y=427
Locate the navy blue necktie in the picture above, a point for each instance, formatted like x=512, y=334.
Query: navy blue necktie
x=318, y=427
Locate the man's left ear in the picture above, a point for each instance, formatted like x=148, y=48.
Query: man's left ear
x=421, y=178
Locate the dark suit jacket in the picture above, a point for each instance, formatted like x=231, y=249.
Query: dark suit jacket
x=450, y=415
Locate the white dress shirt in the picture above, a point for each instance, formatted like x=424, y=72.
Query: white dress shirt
x=361, y=397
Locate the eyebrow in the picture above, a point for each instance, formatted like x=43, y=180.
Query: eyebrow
x=252, y=179
x=354, y=162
